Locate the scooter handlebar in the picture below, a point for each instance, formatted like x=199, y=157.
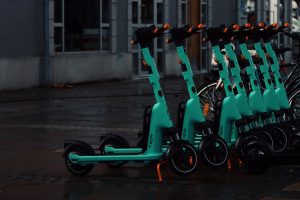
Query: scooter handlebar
x=179, y=34
x=147, y=34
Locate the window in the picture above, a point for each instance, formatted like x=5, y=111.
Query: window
x=183, y=12
x=145, y=13
x=81, y=25
x=247, y=12
x=205, y=52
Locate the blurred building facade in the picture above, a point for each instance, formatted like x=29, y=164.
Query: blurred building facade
x=73, y=41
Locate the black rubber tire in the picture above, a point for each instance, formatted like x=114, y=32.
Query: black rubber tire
x=295, y=145
x=214, y=152
x=182, y=158
x=255, y=154
x=240, y=144
x=280, y=138
x=77, y=169
x=263, y=134
x=116, y=143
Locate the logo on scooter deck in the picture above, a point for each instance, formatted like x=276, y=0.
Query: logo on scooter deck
x=184, y=133
x=221, y=130
x=150, y=141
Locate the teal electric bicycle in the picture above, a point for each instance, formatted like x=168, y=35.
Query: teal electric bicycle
x=115, y=150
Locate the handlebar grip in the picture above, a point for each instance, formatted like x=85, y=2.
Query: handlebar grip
x=205, y=39
x=235, y=27
x=134, y=42
x=245, y=26
x=283, y=27
x=159, y=31
x=285, y=65
x=260, y=25
x=169, y=40
x=194, y=30
x=272, y=26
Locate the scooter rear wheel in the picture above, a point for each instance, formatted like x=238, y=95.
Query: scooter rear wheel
x=116, y=143
x=280, y=138
x=78, y=169
x=182, y=158
x=255, y=155
x=214, y=152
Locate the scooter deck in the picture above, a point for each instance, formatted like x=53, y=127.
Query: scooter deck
x=75, y=158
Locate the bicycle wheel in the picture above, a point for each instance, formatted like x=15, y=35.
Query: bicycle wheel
x=294, y=100
x=206, y=96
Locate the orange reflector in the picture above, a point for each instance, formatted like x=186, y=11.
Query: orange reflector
x=206, y=109
x=190, y=30
x=200, y=26
x=191, y=160
x=225, y=30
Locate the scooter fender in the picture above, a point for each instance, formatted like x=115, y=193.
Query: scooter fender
x=270, y=100
x=256, y=102
x=117, y=137
x=229, y=114
x=243, y=104
x=282, y=98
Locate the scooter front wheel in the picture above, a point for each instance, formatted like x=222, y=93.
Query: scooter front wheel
x=82, y=150
x=182, y=158
x=214, y=151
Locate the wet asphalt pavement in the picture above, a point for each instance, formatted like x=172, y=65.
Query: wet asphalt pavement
x=34, y=124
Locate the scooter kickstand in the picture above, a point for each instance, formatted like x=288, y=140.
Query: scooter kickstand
x=240, y=162
x=159, y=174
x=229, y=165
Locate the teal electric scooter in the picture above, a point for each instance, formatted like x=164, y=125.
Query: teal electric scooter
x=247, y=102
x=180, y=155
x=192, y=125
